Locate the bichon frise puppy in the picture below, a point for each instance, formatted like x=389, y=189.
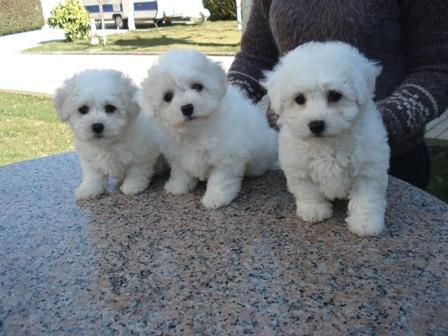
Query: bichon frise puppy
x=332, y=141
x=207, y=129
x=111, y=136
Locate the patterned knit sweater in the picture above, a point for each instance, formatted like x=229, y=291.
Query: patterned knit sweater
x=409, y=38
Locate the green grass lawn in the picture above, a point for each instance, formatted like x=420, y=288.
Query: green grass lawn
x=216, y=38
x=29, y=128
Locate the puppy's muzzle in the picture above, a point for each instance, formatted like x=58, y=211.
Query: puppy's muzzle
x=317, y=127
x=187, y=110
x=97, y=128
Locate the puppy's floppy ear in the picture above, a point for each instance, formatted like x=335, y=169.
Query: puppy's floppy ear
x=133, y=108
x=371, y=71
x=143, y=103
x=131, y=105
x=218, y=72
x=366, y=79
x=143, y=97
x=60, y=99
x=150, y=88
x=272, y=83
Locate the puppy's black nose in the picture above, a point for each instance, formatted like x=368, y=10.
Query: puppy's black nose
x=97, y=128
x=317, y=126
x=187, y=110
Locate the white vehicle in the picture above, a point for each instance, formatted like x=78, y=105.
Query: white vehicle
x=155, y=10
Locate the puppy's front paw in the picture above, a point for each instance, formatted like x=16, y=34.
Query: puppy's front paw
x=85, y=191
x=365, y=226
x=176, y=187
x=133, y=187
x=314, y=212
x=215, y=200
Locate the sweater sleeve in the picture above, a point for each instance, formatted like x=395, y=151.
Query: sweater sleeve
x=258, y=52
x=423, y=95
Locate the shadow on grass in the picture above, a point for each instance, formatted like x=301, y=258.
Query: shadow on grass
x=166, y=41
x=61, y=45
x=53, y=41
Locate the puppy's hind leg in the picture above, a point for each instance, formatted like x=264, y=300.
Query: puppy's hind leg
x=93, y=182
x=367, y=206
x=223, y=186
x=180, y=182
x=138, y=177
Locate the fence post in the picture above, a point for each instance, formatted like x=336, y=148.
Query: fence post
x=103, y=25
x=239, y=23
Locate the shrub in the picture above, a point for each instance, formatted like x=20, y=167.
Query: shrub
x=20, y=15
x=73, y=18
x=221, y=9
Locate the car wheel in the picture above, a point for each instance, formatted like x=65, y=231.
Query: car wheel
x=119, y=23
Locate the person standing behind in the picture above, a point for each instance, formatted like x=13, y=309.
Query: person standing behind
x=409, y=38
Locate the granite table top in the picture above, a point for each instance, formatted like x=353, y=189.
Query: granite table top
x=159, y=264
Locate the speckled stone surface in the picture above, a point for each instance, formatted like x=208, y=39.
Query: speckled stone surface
x=158, y=264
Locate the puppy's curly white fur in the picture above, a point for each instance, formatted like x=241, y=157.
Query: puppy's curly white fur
x=332, y=141
x=112, y=137
x=207, y=129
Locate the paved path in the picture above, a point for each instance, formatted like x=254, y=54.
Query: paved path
x=13, y=44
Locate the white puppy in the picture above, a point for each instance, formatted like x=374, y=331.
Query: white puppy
x=332, y=142
x=111, y=135
x=207, y=129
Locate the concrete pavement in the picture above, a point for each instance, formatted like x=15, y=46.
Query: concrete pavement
x=13, y=44
x=43, y=73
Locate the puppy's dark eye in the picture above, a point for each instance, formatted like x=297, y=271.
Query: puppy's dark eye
x=197, y=87
x=168, y=97
x=109, y=108
x=333, y=96
x=83, y=109
x=300, y=99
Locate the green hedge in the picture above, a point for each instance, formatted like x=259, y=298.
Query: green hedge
x=221, y=9
x=20, y=15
